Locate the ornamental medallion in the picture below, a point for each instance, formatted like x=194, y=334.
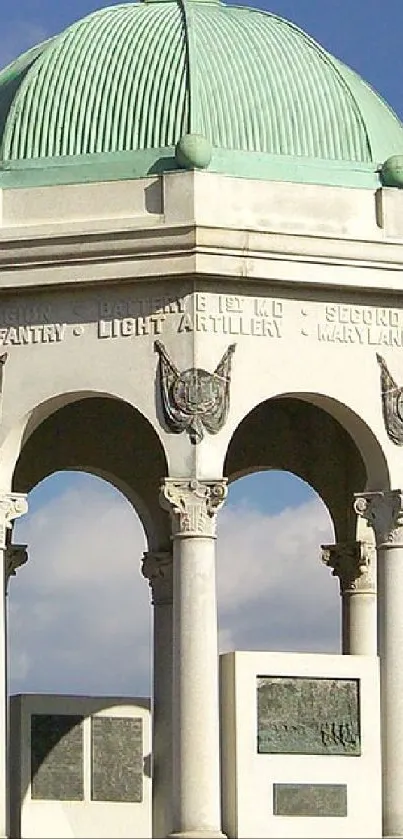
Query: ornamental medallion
x=194, y=400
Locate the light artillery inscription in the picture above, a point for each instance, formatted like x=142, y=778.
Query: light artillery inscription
x=308, y=716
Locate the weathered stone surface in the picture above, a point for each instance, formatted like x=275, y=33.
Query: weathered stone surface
x=310, y=800
x=57, y=757
x=117, y=759
x=308, y=716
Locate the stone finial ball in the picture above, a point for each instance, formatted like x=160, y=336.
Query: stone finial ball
x=193, y=151
x=392, y=171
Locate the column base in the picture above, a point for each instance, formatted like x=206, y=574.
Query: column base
x=198, y=834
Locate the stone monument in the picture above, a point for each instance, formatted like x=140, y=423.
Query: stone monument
x=201, y=225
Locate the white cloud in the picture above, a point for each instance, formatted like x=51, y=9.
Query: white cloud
x=18, y=36
x=274, y=592
x=79, y=610
x=79, y=613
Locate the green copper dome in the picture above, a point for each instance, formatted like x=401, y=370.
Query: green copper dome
x=128, y=82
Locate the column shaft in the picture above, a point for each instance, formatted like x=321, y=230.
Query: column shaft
x=384, y=511
x=195, y=679
x=195, y=721
x=157, y=567
x=162, y=721
x=12, y=505
x=4, y=796
x=359, y=623
x=390, y=579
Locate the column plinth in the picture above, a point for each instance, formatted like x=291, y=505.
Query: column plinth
x=354, y=563
x=193, y=507
x=384, y=512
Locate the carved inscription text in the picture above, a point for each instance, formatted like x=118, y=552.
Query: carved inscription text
x=133, y=316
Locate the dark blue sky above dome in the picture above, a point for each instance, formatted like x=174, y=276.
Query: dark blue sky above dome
x=366, y=34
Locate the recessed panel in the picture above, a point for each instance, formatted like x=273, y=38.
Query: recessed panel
x=298, y=715
x=117, y=759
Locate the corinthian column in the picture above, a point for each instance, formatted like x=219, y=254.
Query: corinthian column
x=193, y=506
x=157, y=568
x=384, y=512
x=12, y=506
x=354, y=564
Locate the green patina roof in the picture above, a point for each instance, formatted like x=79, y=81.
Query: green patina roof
x=135, y=78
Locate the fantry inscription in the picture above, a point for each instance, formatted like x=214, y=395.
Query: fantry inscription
x=195, y=399
x=298, y=715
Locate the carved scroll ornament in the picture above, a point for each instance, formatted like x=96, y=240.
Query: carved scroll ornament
x=194, y=400
x=157, y=568
x=15, y=556
x=353, y=564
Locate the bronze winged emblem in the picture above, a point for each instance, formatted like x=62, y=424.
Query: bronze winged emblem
x=195, y=399
x=392, y=404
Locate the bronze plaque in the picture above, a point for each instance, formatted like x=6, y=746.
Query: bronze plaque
x=323, y=800
x=57, y=757
x=117, y=759
x=298, y=715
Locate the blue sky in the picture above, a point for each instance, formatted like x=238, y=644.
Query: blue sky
x=59, y=642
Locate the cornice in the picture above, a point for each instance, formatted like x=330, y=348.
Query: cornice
x=81, y=254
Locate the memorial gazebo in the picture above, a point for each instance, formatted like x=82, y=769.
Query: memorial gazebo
x=201, y=258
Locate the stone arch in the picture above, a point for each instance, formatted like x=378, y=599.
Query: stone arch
x=105, y=436
x=318, y=439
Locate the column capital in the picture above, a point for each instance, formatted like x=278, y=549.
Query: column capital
x=15, y=556
x=12, y=506
x=384, y=512
x=353, y=563
x=193, y=505
x=157, y=568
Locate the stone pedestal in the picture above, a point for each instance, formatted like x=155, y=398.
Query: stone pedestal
x=384, y=511
x=354, y=563
x=157, y=568
x=193, y=506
